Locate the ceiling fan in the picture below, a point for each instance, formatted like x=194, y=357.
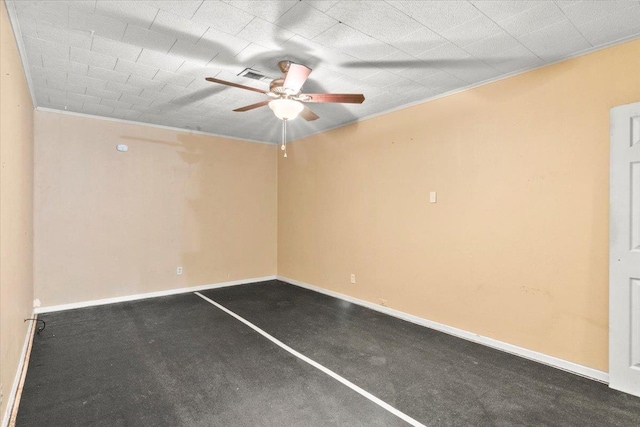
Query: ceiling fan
x=287, y=98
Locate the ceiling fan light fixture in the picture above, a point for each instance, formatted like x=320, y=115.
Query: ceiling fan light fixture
x=286, y=109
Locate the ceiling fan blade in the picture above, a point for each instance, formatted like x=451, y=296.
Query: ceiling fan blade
x=309, y=115
x=350, y=98
x=224, y=82
x=295, y=77
x=252, y=106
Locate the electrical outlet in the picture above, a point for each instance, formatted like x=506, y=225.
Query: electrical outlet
x=383, y=302
x=353, y=278
x=179, y=271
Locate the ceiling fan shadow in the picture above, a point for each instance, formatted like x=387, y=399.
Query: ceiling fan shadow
x=216, y=47
x=185, y=100
x=444, y=75
x=418, y=63
x=191, y=98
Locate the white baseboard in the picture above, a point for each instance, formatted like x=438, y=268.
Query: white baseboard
x=555, y=362
x=125, y=298
x=565, y=365
x=6, y=417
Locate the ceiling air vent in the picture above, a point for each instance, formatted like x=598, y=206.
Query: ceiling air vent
x=253, y=74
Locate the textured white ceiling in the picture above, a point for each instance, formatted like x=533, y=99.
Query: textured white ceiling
x=146, y=60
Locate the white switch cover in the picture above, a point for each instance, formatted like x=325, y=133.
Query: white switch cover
x=179, y=271
x=353, y=278
x=432, y=197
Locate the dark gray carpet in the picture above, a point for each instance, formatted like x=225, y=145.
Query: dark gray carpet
x=433, y=377
x=176, y=361
x=180, y=361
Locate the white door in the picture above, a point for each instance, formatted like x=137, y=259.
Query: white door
x=624, y=250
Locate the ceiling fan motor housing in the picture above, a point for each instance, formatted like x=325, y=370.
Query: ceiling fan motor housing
x=276, y=86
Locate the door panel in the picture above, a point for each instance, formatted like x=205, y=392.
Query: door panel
x=624, y=250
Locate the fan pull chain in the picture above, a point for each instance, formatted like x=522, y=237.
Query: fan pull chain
x=283, y=147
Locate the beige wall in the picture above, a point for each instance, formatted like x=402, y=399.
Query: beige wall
x=516, y=248
x=16, y=207
x=111, y=224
